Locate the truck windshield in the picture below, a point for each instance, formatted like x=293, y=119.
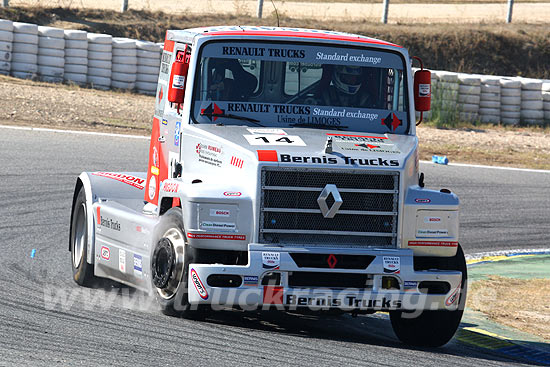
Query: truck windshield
x=283, y=85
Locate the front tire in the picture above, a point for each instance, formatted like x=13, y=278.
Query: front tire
x=83, y=273
x=433, y=328
x=170, y=259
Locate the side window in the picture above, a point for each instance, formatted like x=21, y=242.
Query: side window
x=299, y=76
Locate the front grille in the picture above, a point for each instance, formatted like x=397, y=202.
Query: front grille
x=290, y=213
x=303, y=279
x=308, y=260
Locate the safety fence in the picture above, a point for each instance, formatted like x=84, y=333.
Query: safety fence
x=105, y=62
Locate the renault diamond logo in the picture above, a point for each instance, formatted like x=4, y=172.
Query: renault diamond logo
x=329, y=190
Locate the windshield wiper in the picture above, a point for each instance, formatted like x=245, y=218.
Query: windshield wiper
x=235, y=117
x=319, y=126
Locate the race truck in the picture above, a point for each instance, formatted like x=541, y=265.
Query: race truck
x=283, y=174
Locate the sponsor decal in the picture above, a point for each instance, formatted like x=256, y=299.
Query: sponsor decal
x=372, y=60
x=201, y=289
x=152, y=187
x=232, y=193
x=454, y=296
x=177, y=134
x=432, y=219
x=138, y=266
x=220, y=213
x=392, y=264
x=347, y=301
x=424, y=90
x=122, y=260
x=127, y=179
x=237, y=162
x=434, y=243
x=141, y=229
x=155, y=157
x=222, y=226
x=212, y=236
x=275, y=140
x=262, y=51
x=392, y=122
x=250, y=280
x=271, y=260
x=344, y=113
x=105, y=253
x=432, y=232
x=164, y=121
x=376, y=162
x=170, y=186
x=209, y=154
x=422, y=201
x=266, y=131
x=273, y=295
x=155, y=170
x=410, y=285
x=267, y=156
x=212, y=111
x=108, y=223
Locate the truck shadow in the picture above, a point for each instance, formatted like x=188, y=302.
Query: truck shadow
x=363, y=330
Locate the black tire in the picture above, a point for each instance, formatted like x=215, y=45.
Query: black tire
x=170, y=259
x=433, y=328
x=83, y=273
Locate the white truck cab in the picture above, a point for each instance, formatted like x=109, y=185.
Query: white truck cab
x=283, y=173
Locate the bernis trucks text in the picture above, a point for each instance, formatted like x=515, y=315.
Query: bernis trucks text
x=283, y=174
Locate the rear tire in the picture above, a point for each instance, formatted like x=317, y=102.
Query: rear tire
x=83, y=272
x=170, y=259
x=433, y=328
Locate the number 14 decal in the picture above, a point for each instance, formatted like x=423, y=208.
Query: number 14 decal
x=275, y=140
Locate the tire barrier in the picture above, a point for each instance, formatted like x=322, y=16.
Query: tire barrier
x=100, y=48
x=51, y=54
x=546, y=101
x=148, y=64
x=531, y=112
x=6, y=46
x=510, y=101
x=489, y=102
x=444, y=96
x=469, y=88
x=124, y=63
x=24, y=58
x=76, y=57
x=103, y=62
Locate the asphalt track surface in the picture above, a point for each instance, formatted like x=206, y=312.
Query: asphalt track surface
x=46, y=319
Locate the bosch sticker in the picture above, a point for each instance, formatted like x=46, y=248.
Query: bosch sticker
x=220, y=213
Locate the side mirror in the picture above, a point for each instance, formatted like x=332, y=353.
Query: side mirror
x=422, y=90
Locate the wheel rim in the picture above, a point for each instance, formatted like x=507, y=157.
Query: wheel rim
x=79, y=235
x=176, y=237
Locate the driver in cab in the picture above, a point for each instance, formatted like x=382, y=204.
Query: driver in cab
x=348, y=88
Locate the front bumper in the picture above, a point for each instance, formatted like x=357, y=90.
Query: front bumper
x=407, y=293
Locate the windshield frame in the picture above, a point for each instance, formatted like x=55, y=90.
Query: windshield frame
x=407, y=104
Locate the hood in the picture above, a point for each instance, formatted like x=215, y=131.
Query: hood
x=313, y=147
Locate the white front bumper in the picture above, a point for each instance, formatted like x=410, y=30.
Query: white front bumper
x=252, y=294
